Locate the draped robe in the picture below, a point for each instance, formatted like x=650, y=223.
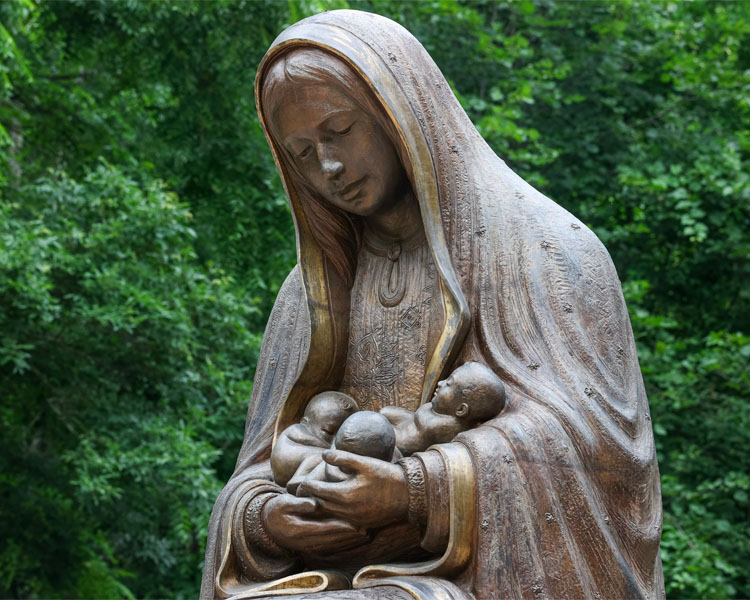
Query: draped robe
x=559, y=495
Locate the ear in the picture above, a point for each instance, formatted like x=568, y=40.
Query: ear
x=462, y=410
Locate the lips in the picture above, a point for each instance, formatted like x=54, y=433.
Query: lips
x=351, y=189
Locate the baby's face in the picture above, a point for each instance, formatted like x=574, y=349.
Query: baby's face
x=447, y=396
x=326, y=424
x=327, y=416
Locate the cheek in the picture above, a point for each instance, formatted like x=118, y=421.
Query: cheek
x=316, y=181
x=304, y=168
x=386, y=156
x=443, y=400
x=375, y=152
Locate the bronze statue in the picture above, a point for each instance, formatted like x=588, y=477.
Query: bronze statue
x=419, y=250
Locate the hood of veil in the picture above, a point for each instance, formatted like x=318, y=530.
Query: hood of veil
x=431, y=126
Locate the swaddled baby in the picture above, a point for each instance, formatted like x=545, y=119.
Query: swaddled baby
x=472, y=394
x=299, y=447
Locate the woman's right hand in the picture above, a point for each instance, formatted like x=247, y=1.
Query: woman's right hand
x=297, y=524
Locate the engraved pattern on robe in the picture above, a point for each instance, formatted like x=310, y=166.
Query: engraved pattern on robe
x=389, y=346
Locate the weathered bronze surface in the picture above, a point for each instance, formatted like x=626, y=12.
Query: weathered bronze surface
x=529, y=470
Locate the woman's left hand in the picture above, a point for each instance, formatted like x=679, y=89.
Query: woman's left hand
x=375, y=495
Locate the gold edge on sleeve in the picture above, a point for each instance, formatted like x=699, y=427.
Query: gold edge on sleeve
x=461, y=531
x=226, y=580
x=307, y=582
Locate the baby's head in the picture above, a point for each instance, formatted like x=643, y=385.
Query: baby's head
x=473, y=393
x=367, y=433
x=327, y=411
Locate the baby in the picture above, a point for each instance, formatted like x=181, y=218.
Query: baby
x=365, y=433
x=472, y=394
x=299, y=447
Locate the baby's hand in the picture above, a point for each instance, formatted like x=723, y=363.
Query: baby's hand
x=304, y=469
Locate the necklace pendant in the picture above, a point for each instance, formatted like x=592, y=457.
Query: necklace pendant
x=394, y=251
x=392, y=279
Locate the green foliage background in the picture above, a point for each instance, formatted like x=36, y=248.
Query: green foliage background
x=144, y=235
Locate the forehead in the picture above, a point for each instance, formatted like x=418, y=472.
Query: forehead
x=464, y=372
x=324, y=407
x=303, y=107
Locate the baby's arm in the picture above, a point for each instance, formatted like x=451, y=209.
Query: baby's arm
x=396, y=414
x=305, y=468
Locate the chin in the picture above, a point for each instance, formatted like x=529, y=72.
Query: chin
x=363, y=208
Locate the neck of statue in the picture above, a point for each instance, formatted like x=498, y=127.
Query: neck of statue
x=398, y=221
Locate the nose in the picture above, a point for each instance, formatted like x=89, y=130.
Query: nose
x=330, y=165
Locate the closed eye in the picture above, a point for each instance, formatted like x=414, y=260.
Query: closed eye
x=305, y=153
x=345, y=130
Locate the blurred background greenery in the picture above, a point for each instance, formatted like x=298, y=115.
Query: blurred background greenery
x=144, y=234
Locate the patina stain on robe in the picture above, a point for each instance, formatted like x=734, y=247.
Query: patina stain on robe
x=567, y=501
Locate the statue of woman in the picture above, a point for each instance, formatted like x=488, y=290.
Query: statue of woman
x=420, y=250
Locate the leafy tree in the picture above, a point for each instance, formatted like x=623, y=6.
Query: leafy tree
x=124, y=364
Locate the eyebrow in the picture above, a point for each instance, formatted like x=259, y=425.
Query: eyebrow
x=329, y=114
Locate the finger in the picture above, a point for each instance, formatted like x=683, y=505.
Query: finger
x=301, y=506
x=335, y=539
x=339, y=543
x=340, y=525
x=341, y=458
x=324, y=527
x=337, y=510
x=325, y=490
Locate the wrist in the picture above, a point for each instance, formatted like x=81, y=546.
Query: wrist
x=256, y=515
x=416, y=495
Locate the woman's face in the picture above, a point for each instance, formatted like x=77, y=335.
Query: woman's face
x=339, y=149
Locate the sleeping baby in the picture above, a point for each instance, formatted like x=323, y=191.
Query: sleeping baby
x=299, y=447
x=472, y=394
x=365, y=433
